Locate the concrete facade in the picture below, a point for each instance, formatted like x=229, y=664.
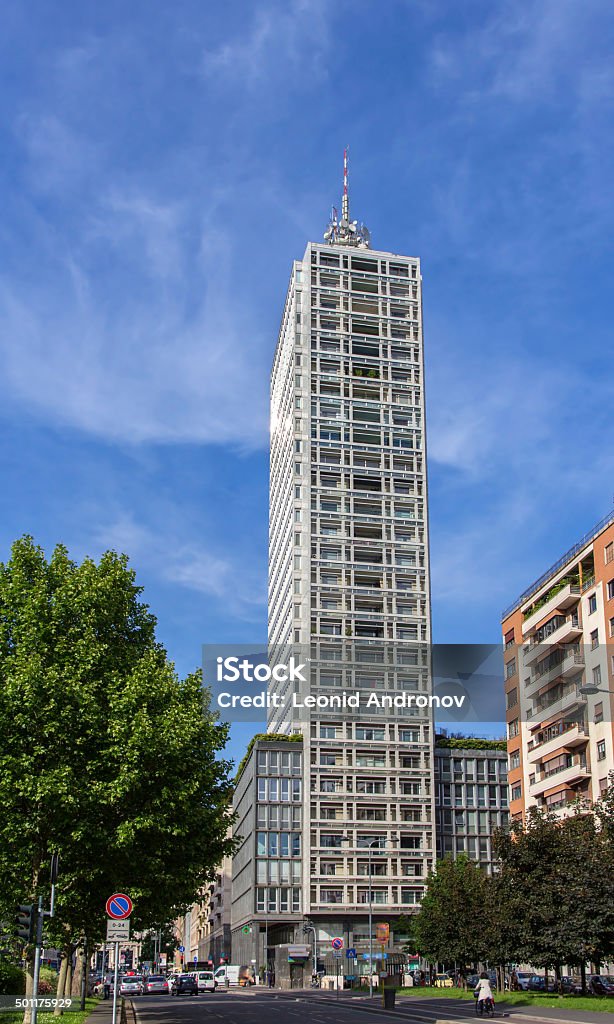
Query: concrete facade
x=558, y=639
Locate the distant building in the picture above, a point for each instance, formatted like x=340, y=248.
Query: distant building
x=267, y=867
x=471, y=796
x=559, y=673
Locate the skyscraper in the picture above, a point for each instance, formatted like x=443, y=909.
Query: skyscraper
x=349, y=574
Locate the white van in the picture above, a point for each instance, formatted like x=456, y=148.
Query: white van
x=233, y=974
x=206, y=981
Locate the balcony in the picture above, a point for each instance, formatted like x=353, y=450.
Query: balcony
x=558, y=597
x=565, y=701
x=575, y=771
x=561, y=662
x=570, y=629
x=563, y=734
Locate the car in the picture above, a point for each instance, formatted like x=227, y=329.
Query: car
x=206, y=982
x=443, y=981
x=156, y=983
x=600, y=985
x=185, y=984
x=537, y=983
x=523, y=978
x=131, y=985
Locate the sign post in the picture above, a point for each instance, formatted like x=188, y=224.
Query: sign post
x=119, y=908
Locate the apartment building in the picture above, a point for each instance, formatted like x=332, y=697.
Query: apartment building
x=471, y=798
x=558, y=640
x=349, y=575
x=267, y=867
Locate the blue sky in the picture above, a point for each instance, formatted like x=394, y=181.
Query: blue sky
x=162, y=164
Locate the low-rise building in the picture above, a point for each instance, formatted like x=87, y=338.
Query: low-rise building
x=471, y=798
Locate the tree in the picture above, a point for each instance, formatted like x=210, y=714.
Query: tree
x=105, y=754
x=557, y=882
x=450, y=924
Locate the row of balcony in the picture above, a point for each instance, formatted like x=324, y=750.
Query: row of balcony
x=573, y=770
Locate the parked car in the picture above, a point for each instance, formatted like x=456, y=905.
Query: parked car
x=600, y=985
x=156, y=983
x=206, y=982
x=524, y=978
x=185, y=984
x=132, y=985
x=537, y=983
x=443, y=981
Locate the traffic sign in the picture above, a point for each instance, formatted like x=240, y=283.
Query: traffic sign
x=195, y=959
x=337, y=943
x=246, y=929
x=350, y=954
x=182, y=949
x=118, y=931
x=337, y=953
x=119, y=906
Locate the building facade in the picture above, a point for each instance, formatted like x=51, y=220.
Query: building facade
x=349, y=574
x=267, y=867
x=558, y=640
x=471, y=797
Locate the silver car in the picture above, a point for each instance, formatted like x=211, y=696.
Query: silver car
x=131, y=985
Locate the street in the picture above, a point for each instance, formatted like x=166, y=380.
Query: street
x=259, y=1006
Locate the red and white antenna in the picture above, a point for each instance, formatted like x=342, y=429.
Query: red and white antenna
x=345, y=205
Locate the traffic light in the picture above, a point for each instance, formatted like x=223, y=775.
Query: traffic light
x=26, y=922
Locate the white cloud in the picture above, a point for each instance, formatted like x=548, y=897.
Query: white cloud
x=282, y=40
x=171, y=558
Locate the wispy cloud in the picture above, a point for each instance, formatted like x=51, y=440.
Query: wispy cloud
x=167, y=555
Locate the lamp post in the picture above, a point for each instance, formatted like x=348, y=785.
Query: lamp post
x=589, y=689
x=370, y=847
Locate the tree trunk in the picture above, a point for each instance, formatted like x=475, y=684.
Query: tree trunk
x=583, y=977
x=63, y=976
x=75, y=988
x=557, y=979
x=546, y=980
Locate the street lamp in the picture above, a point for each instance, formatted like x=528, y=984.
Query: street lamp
x=589, y=689
x=377, y=841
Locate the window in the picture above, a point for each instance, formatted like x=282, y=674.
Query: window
x=516, y=792
x=597, y=675
x=409, y=736
x=509, y=638
x=594, y=639
x=512, y=698
x=608, y=552
x=603, y=786
x=513, y=727
x=363, y=733
x=328, y=732
x=514, y=759
x=611, y=589
x=510, y=668
x=601, y=750
x=612, y=626
x=331, y=895
x=599, y=712
x=592, y=604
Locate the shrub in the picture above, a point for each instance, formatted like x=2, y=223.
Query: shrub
x=12, y=979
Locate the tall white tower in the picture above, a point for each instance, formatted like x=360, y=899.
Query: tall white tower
x=349, y=572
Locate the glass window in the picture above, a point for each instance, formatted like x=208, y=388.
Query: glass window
x=260, y=901
x=296, y=789
x=262, y=789
x=296, y=844
x=261, y=843
x=273, y=789
x=273, y=844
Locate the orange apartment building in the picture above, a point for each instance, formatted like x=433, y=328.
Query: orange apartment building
x=558, y=640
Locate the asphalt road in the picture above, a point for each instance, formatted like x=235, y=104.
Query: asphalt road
x=260, y=1006
x=272, y=1008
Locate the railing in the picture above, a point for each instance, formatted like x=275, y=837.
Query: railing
x=554, y=733
x=596, y=530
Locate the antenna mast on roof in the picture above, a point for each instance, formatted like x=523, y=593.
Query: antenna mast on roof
x=344, y=231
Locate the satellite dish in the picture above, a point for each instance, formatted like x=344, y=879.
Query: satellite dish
x=366, y=234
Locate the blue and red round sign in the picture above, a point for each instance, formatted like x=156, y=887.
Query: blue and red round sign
x=337, y=943
x=119, y=906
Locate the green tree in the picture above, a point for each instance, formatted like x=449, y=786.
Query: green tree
x=450, y=925
x=106, y=755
